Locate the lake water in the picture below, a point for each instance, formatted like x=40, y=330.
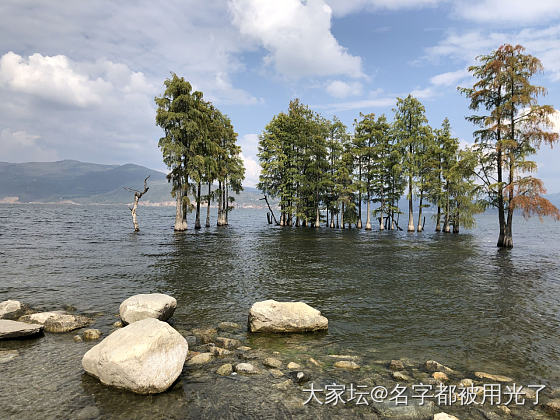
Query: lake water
x=453, y=298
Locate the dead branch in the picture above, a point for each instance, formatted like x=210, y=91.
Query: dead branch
x=137, y=196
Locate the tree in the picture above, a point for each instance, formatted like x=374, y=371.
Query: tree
x=514, y=128
x=410, y=130
x=137, y=196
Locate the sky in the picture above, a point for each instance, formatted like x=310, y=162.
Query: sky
x=78, y=78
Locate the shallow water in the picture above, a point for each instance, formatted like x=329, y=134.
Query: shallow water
x=453, y=298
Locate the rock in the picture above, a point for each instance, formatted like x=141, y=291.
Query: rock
x=57, y=321
x=225, y=370
x=205, y=335
x=530, y=393
x=11, y=309
x=553, y=407
x=227, y=343
x=90, y=412
x=495, y=378
x=433, y=366
x=465, y=383
x=77, y=338
x=444, y=416
x=294, y=365
x=504, y=409
x=345, y=356
x=246, y=369
x=145, y=357
x=92, y=334
x=153, y=305
x=191, y=340
x=400, y=376
x=228, y=326
x=276, y=373
x=440, y=376
x=412, y=411
x=346, y=364
x=118, y=324
x=283, y=386
x=200, y=359
x=300, y=377
x=7, y=355
x=285, y=317
x=243, y=348
x=272, y=362
x=396, y=365
x=16, y=329
x=314, y=362
x=220, y=352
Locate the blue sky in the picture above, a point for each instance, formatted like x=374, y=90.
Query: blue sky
x=77, y=79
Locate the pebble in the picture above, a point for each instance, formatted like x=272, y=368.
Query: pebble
x=293, y=365
x=272, y=362
x=77, y=338
x=227, y=343
x=399, y=376
x=228, y=326
x=225, y=369
x=347, y=364
x=200, y=359
x=440, y=376
x=491, y=377
x=246, y=368
x=276, y=373
x=396, y=365
x=92, y=334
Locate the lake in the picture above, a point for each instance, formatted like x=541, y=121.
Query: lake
x=388, y=295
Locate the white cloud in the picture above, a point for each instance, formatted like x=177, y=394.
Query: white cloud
x=509, y=11
x=297, y=37
x=449, y=78
x=362, y=104
x=252, y=171
x=20, y=146
x=424, y=93
x=340, y=89
x=345, y=7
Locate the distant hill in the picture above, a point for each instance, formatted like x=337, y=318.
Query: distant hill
x=82, y=182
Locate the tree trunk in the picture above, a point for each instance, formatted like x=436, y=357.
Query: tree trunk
x=180, y=218
x=219, y=220
x=359, y=223
x=410, y=209
x=197, y=220
x=438, y=219
x=332, y=219
x=446, y=228
x=208, y=205
x=508, y=232
x=456, y=221
x=420, y=225
x=342, y=217
x=368, y=222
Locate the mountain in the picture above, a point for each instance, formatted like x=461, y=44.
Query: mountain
x=82, y=182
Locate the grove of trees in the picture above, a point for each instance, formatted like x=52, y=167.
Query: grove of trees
x=320, y=172
x=200, y=148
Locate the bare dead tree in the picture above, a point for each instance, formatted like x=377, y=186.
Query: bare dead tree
x=265, y=198
x=137, y=196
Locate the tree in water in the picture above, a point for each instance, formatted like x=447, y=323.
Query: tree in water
x=514, y=128
x=137, y=196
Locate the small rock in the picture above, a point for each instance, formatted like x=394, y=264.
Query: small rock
x=314, y=362
x=206, y=348
x=553, y=406
x=465, y=383
x=16, y=329
x=272, y=316
x=440, y=376
x=119, y=324
x=243, y=348
x=272, y=362
x=11, y=309
x=200, y=359
x=228, y=343
x=152, y=305
x=220, y=352
x=396, y=365
x=293, y=365
x=191, y=340
x=228, y=326
x=246, y=369
x=90, y=412
x=491, y=377
x=205, y=335
x=444, y=416
x=344, y=356
x=276, y=373
x=77, y=338
x=225, y=369
x=433, y=366
x=505, y=409
x=347, y=364
x=283, y=386
x=530, y=393
x=301, y=377
x=400, y=376
x=7, y=355
x=92, y=334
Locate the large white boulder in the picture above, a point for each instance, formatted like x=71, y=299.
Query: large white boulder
x=285, y=317
x=153, y=305
x=57, y=321
x=11, y=309
x=145, y=357
x=16, y=329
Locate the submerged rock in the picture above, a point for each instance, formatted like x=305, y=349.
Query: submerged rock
x=7, y=355
x=396, y=365
x=272, y=362
x=491, y=377
x=228, y=326
x=246, y=368
x=227, y=343
x=553, y=407
x=346, y=364
x=285, y=317
x=200, y=359
x=276, y=373
x=412, y=411
x=11, y=309
x=294, y=365
x=57, y=321
x=205, y=335
x=145, y=357
x=92, y=334
x=16, y=329
x=433, y=366
x=225, y=370
x=440, y=376
x=78, y=338
x=153, y=305
x=444, y=416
